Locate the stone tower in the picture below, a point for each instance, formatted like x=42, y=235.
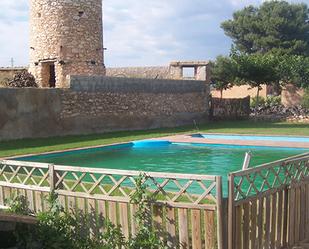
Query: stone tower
x=66, y=38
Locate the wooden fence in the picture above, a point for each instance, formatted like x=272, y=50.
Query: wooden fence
x=186, y=212
x=269, y=205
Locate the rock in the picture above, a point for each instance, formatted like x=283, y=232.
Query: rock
x=22, y=79
x=275, y=113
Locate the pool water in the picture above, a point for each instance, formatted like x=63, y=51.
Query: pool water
x=254, y=138
x=169, y=157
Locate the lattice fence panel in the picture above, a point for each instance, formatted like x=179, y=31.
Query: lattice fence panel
x=162, y=187
x=24, y=173
x=255, y=181
x=268, y=205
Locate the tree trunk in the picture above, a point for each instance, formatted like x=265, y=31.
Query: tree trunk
x=276, y=89
x=257, y=97
x=221, y=94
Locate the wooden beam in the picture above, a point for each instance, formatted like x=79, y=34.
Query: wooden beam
x=17, y=218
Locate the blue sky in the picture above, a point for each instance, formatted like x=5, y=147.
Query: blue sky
x=138, y=32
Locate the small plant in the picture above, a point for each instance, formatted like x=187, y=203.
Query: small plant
x=257, y=101
x=112, y=238
x=141, y=198
x=58, y=229
x=146, y=238
x=54, y=225
x=273, y=101
x=18, y=204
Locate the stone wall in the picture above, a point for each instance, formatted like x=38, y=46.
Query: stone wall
x=230, y=109
x=101, y=104
x=139, y=72
x=173, y=71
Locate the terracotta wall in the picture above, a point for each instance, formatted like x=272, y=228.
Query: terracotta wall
x=291, y=95
x=240, y=92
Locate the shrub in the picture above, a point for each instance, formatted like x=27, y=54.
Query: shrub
x=146, y=238
x=305, y=99
x=18, y=204
x=59, y=229
x=255, y=100
x=272, y=101
x=22, y=79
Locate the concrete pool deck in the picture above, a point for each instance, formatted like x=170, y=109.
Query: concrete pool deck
x=189, y=139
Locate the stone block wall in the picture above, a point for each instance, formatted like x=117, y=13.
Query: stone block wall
x=230, y=109
x=173, y=71
x=139, y=72
x=101, y=104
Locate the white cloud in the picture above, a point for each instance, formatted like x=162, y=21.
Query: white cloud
x=241, y=3
x=157, y=32
x=14, y=32
x=136, y=32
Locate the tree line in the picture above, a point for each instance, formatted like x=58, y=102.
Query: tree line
x=270, y=47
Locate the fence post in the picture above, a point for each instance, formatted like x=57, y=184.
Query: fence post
x=52, y=178
x=285, y=217
x=219, y=211
x=231, y=212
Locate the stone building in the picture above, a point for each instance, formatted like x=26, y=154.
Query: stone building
x=196, y=70
x=66, y=38
x=177, y=70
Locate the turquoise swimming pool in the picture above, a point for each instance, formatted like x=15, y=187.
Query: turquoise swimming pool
x=163, y=156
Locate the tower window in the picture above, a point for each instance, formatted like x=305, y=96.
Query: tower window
x=39, y=15
x=81, y=13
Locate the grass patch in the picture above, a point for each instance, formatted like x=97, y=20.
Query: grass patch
x=33, y=146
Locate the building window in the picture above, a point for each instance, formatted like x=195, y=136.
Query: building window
x=188, y=72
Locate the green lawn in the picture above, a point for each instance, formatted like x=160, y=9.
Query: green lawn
x=27, y=146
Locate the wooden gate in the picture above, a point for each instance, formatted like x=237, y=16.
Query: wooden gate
x=269, y=205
